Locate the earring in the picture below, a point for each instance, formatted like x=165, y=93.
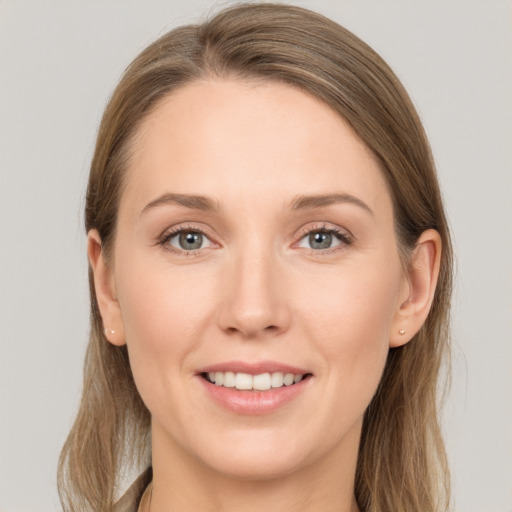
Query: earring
x=111, y=331
x=401, y=332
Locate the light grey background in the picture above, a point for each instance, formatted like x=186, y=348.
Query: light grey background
x=59, y=61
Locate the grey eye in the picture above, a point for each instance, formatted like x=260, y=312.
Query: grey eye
x=320, y=240
x=189, y=240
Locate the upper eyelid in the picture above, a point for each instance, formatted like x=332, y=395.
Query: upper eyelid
x=168, y=234
x=302, y=231
x=174, y=230
x=324, y=226
x=300, y=234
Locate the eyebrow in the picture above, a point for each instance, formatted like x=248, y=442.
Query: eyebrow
x=188, y=201
x=320, y=200
x=303, y=202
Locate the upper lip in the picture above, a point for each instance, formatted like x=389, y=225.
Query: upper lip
x=253, y=368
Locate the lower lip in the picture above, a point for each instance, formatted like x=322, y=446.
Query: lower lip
x=254, y=402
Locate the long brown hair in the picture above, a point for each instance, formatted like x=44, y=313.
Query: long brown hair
x=402, y=464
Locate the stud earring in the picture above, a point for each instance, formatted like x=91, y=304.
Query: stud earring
x=401, y=332
x=111, y=331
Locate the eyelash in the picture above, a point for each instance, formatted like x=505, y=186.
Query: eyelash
x=168, y=235
x=345, y=239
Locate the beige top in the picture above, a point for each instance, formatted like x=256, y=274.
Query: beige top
x=136, y=497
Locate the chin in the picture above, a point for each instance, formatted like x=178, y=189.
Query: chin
x=245, y=467
x=260, y=455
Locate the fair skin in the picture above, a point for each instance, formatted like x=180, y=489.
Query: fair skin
x=263, y=269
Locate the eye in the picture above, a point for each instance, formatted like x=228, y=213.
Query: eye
x=322, y=239
x=187, y=240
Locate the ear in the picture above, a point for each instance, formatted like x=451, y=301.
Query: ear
x=104, y=285
x=418, y=290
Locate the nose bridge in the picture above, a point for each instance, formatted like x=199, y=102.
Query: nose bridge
x=255, y=301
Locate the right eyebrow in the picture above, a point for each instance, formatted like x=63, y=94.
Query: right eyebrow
x=321, y=200
x=188, y=201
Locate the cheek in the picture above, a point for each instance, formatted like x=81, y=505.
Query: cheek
x=162, y=309
x=164, y=314
x=357, y=305
x=350, y=320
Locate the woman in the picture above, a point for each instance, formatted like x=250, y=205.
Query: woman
x=270, y=272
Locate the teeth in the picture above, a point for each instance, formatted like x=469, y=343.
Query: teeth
x=288, y=379
x=277, y=380
x=219, y=379
x=260, y=382
x=229, y=380
x=242, y=381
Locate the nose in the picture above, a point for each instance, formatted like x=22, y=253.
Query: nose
x=254, y=301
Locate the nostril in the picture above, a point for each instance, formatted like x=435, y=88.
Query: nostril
x=249, y=332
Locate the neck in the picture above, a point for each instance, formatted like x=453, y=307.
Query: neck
x=182, y=483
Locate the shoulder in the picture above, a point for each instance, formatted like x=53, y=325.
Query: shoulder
x=129, y=501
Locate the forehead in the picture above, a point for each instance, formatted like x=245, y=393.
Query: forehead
x=231, y=139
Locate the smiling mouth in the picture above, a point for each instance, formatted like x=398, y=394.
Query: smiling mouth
x=247, y=382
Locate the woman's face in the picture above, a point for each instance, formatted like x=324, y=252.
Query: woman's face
x=255, y=240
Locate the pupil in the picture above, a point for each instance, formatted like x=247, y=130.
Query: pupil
x=320, y=240
x=191, y=240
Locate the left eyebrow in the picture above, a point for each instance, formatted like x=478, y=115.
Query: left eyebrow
x=320, y=200
x=187, y=200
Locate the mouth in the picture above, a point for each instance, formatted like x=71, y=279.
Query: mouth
x=254, y=388
x=260, y=382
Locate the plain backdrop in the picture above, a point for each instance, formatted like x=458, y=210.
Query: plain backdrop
x=59, y=61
